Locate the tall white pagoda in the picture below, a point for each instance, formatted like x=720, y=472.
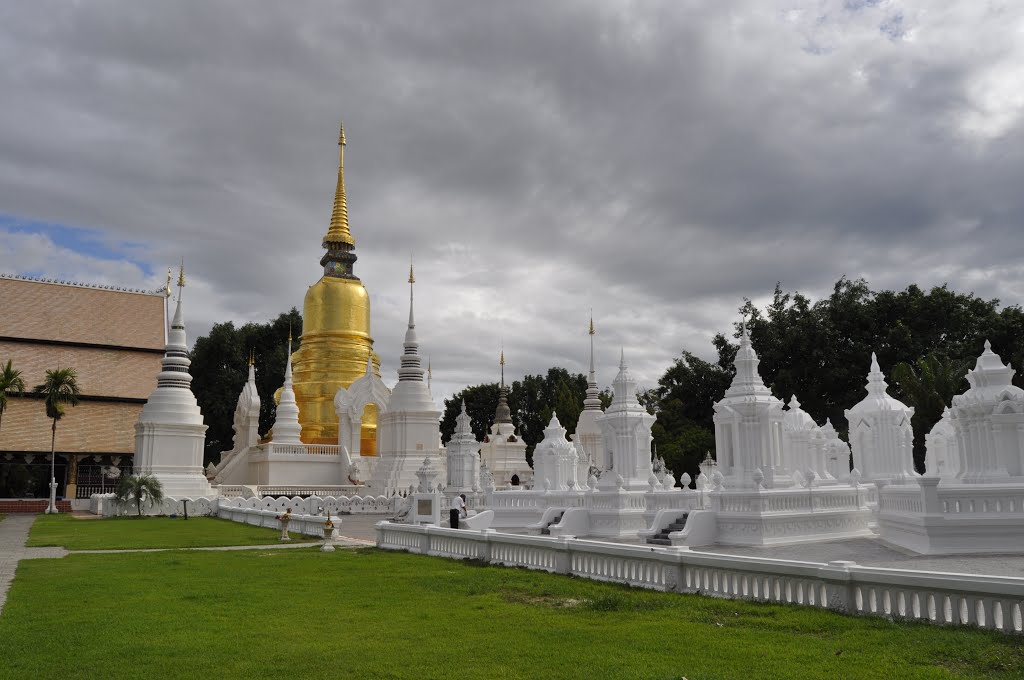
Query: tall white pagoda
x=409, y=430
x=170, y=433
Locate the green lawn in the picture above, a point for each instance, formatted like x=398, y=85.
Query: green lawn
x=371, y=614
x=146, y=532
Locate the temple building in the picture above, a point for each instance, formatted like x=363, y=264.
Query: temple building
x=114, y=339
x=336, y=341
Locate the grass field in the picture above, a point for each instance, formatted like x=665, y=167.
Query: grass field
x=146, y=532
x=371, y=614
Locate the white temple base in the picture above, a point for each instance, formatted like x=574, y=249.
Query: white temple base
x=396, y=472
x=952, y=518
x=772, y=517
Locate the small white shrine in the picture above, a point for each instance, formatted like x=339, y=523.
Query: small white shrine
x=555, y=460
x=170, y=433
x=463, y=453
x=978, y=508
x=942, y=450
x=753, y=498
x=502, y=450
x=880, y=432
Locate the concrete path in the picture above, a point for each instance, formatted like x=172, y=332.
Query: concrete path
x=13, y=535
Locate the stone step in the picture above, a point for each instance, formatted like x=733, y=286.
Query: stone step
x=659, y=541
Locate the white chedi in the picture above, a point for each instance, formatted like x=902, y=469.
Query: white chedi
x=555, y=459
x=748, y=427
x=798, y=430
x=880, y=432
x=247, y=414
x=835, y=453
x=587, y=438
x=463, y=474
x=989, y=422
x=170, y=433
x=942, y=451
x=286, y=425
x=408, y=430
x=626, y=430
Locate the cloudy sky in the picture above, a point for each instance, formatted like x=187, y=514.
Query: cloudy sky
x=654, y=161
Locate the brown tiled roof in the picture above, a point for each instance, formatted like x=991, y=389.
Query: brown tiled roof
x=60, y=312
x=101, y=372
x=90, y=427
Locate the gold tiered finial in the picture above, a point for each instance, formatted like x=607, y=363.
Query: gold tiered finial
x=181, y=274
x=412, y=279
x=339, y=232
x=591, y=332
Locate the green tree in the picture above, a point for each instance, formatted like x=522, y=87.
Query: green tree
x=821, y=351
x=11, y=383
x=683, y=402
x=138, y=489
x=929, y=385
x=59, y=390
x=220, y=368
x=533, y=400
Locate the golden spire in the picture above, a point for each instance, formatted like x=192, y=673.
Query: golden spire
x=502, y=363
x=412, y=279
x=591, y=331
x=181, y=274
x=339, y=233
x=252, y=357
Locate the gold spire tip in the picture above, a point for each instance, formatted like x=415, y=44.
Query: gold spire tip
x=502, y=361
x=181, y=274
x=341, y=134
x=412, y=279
x=591, y=331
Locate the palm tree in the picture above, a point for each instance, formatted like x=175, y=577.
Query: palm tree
x=11, y=382
x=929, y=385
x=59, y=389
x=139, y=488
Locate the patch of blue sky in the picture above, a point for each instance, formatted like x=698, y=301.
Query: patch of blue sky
x=91, y=243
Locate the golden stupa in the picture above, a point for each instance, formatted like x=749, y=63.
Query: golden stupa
x=335, y=334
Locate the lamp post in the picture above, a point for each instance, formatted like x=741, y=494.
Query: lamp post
x=51, y=509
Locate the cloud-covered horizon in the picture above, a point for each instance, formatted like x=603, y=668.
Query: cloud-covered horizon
x=657, y=162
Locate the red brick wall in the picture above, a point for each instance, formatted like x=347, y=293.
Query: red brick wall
x=36, y=505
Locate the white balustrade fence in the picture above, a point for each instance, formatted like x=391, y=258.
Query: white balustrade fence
x=993, y=602
x=107, y=506
x=304, y=524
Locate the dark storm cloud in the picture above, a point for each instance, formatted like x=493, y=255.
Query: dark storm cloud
x=657, y=161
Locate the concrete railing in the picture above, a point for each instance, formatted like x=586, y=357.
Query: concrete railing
x=308, y=490
x=235, y=491
x=314, y=505
x=306, y=525
x=985, y=601
x=298, y=449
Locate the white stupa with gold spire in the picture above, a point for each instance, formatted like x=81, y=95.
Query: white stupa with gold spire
x=409, y=429
x=170, y=433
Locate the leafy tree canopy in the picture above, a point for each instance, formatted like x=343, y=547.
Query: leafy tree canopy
x=533, y=400
x=220, y=367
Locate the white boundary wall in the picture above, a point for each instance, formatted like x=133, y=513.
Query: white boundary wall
x=995, y=602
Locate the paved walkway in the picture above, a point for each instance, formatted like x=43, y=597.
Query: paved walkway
x=14, y=534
